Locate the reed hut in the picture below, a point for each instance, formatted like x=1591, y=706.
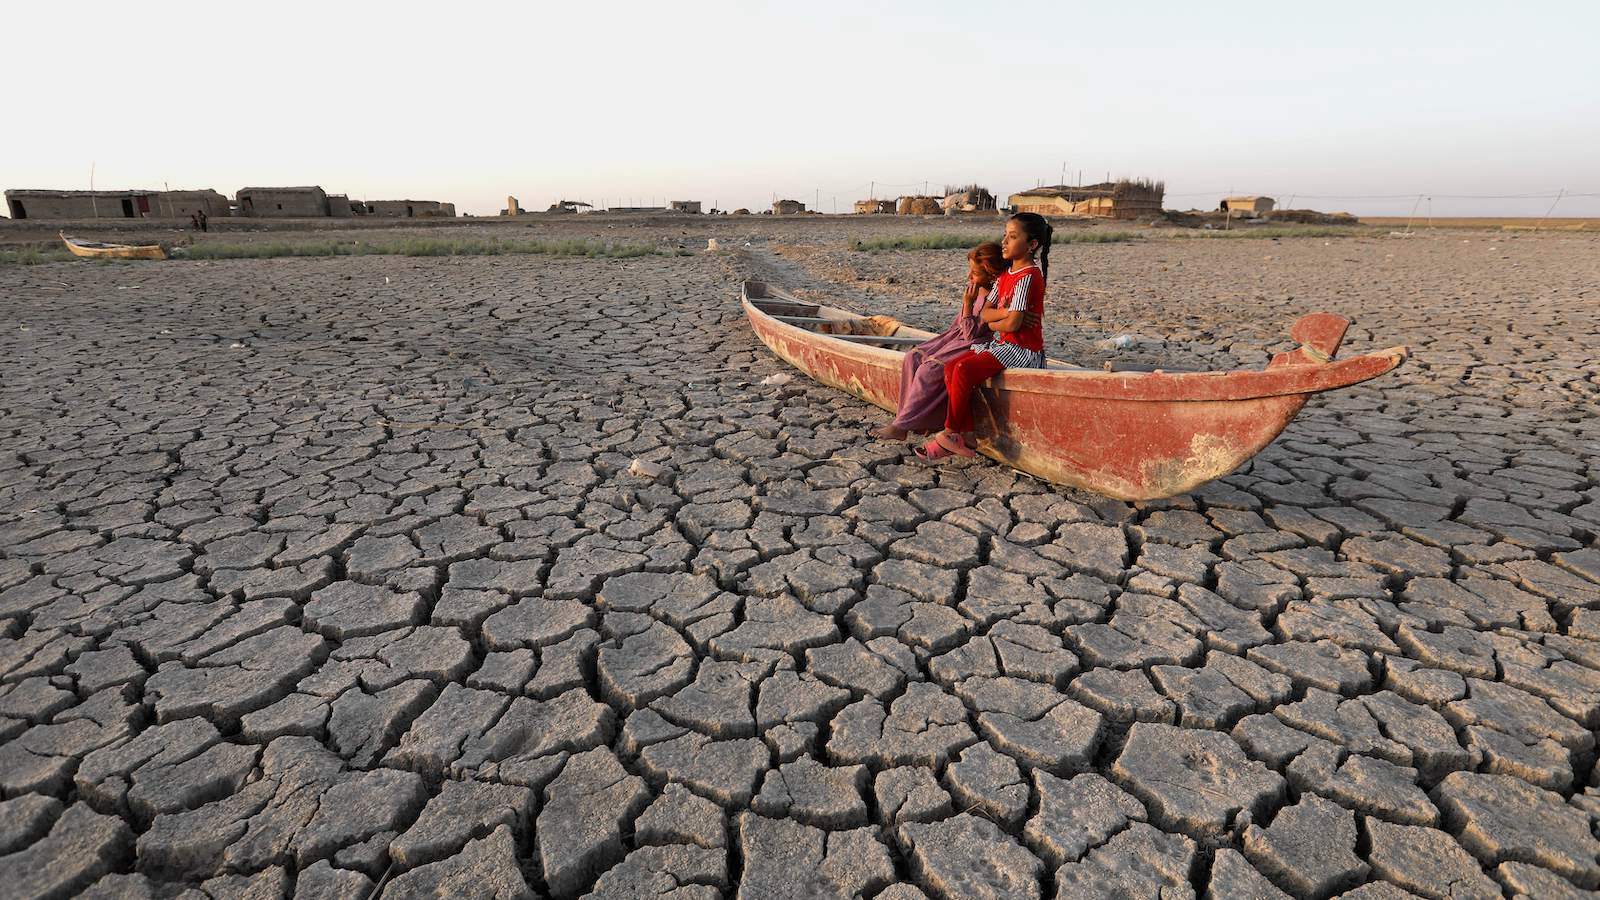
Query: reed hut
x=970, y=198
x=1125, y=199
x=874, y=207
x=920, y=206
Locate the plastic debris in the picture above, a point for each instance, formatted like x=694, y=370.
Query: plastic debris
x=235, y=346
x=1120, y=342
x=779, y=378
x=645, y=469
x=711, y=244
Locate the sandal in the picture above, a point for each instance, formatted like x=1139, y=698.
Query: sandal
x=954, y=443
x=932, y=451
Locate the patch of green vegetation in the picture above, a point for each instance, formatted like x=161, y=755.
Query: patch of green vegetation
x=32, y=256
x=417, y=247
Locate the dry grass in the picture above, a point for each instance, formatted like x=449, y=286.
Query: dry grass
x=417, y=247
x=1270, y=231
x=968, y=241
x=1512, y=222
x=32, y=256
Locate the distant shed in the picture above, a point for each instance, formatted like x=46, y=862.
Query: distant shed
x=788, y=208
x=685, y=206
x=1251, y=205
x=1126, y=199
x=874, y=207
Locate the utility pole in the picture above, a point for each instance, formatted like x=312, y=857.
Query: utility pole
x=1552, y=207
x=873, y=194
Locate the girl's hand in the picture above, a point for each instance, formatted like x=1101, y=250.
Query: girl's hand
x=972, y=293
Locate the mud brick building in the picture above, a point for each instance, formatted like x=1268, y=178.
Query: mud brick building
x=41, y=204
x=283, y=202
x=410, y=209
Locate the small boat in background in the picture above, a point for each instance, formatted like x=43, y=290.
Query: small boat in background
x=100, y=250
x=1132, y=435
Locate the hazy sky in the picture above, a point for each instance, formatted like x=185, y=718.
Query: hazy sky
x=734, y=103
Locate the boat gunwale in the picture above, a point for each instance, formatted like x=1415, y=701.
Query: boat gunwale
x=1150, y=387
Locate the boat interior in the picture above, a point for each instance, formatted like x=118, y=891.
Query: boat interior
x=101, y=245
x=881, y=331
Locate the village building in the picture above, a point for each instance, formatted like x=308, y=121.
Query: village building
x=874, y=207
x=410, y=209
x=183, y=204
x=685, y=206
x=283, y=202
x=512, y=207
x=340, y=206
x=920, y=206
x=1126, y=199
x=44, y=204
x=788, y=208
x=1249, y=206
x=969, y=199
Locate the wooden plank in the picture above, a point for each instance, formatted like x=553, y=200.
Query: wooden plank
x=876, y=339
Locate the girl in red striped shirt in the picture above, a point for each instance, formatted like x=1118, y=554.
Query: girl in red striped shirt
x=1019, y=333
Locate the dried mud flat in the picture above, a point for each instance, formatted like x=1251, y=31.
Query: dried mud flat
x=316, y=574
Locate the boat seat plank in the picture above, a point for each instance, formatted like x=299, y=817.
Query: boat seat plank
x=878, y=339
x=785, y=307
x=807, y=320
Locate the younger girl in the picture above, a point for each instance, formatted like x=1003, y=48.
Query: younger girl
x=1019, y=343
x=922, y=400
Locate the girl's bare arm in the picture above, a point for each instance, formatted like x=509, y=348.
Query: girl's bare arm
x=1003, y=319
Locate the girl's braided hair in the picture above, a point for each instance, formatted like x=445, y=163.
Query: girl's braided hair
x=1037, y=228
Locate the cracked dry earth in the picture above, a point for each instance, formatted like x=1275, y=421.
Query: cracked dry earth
x=316, y=575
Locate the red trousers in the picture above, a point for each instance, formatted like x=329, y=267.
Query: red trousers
x=962, y=376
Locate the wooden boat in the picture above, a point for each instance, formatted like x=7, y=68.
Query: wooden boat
x=1133, y=435
x=99, y=250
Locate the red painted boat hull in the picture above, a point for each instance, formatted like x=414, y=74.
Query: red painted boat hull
x=1132, y=436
